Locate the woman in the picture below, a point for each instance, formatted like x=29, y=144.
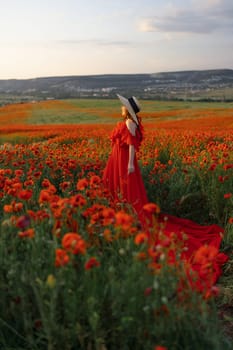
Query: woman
x=122, y=174
x=123, y=178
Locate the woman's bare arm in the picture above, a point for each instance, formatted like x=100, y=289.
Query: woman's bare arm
x=131, y=159
x=132, y=129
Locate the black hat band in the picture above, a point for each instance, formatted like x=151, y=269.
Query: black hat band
x=133, y=105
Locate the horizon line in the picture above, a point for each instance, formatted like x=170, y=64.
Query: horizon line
x=115, y=74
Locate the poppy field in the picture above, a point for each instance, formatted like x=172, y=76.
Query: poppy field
x=77, y=270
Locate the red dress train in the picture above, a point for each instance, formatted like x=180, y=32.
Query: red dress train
x=130, y=188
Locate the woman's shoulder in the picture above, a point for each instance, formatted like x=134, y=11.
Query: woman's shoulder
x=126, y=127
x=131, y=126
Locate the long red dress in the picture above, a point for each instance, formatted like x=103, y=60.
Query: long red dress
x=123, y=186
x=130, y=188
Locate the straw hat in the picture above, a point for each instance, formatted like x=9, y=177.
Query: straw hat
x=132, y=106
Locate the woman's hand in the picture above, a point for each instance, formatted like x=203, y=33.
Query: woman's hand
x=130, y=168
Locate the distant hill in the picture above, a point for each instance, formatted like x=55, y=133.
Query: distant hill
x=205, y=84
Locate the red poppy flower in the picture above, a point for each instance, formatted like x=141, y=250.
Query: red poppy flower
x=107, y=235
x=44, y=196
x=17, y=207
x=82, y=184
x=18, y=172
x=74, y=243
x=92, y=262
x=108, y=216
x=45, y=183
x=8, y=208
x=62, y=258
x=147, y=291
x=95, y=181
x=159, y=347
x=141, y=238
x=23, y=221
x=151, y=208
x=64, y=185
x=29, y=233
x=25, y=194
x=123, y=220
x=77, y=201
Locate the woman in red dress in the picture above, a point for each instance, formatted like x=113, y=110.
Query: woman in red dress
x=123, y=178
x=122, y=174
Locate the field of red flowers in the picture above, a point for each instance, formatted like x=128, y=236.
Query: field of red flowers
x=77, y=271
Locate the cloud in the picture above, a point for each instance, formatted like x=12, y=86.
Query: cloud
x=73, y=44
x=96, y=42
x=183, y=22
x=204, y=17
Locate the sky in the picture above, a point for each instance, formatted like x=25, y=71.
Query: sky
x=85, y=37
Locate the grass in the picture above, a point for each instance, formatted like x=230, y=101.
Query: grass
x=76, y=111
x=173, y=105
x=60, y=113
x=82, y=111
